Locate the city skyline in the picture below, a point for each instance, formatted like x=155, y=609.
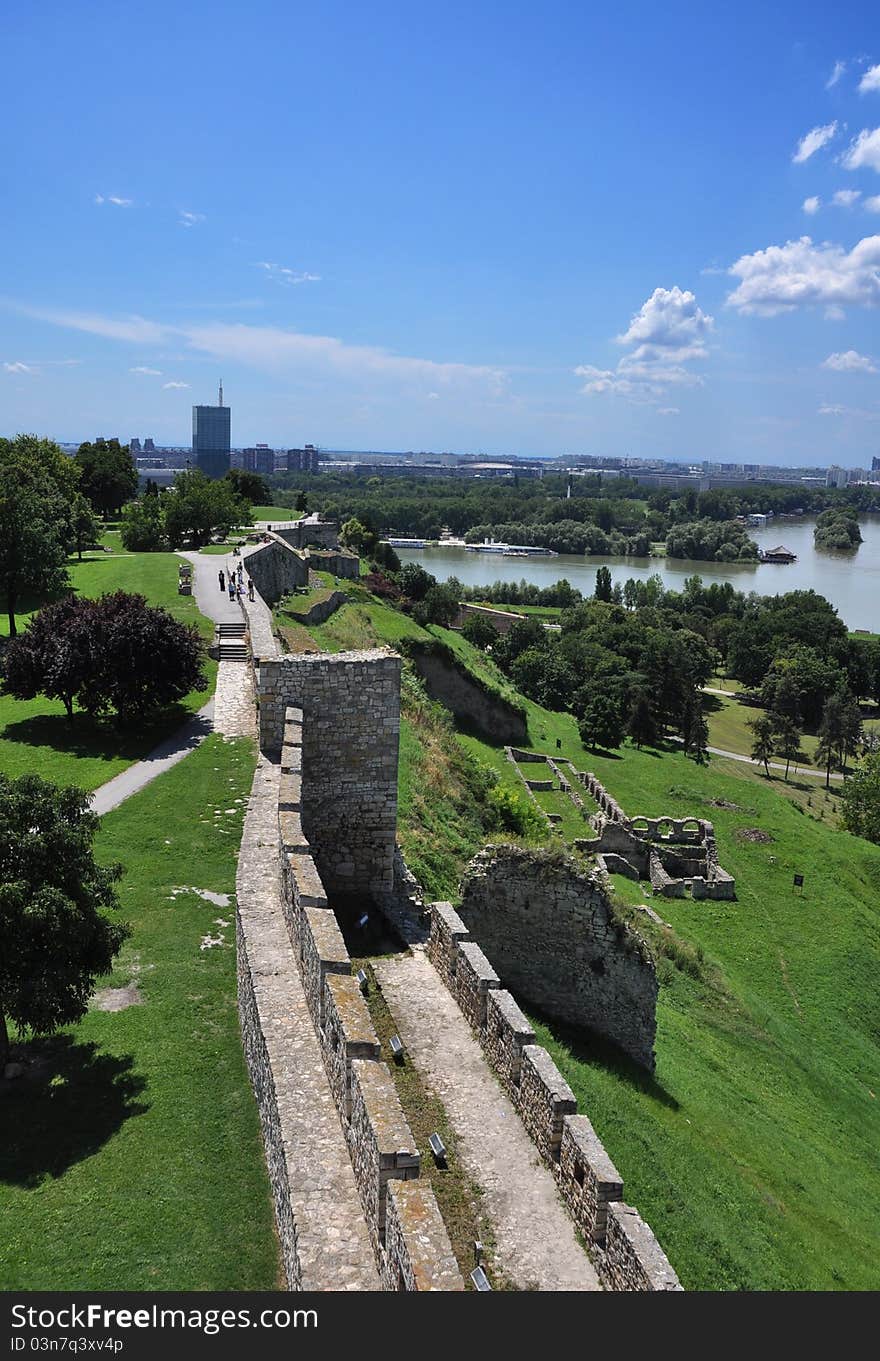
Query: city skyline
x=655, y=239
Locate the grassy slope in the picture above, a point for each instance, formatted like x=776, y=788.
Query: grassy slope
x=728, y=727
x=35, y=734
x=137, y=1162
x=752, y=1153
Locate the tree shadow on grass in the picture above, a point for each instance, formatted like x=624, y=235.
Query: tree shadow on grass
x=102, y=741
x=597, y=1052
x=69, y=1102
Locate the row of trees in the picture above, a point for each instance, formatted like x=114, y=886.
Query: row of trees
x=188, y=514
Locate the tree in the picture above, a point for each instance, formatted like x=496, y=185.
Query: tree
x=826, y=753
x=115, y=653
x=54, y=655
x=440, y=606
x=53, y=898
x=414, y=581
x=788, y=741
x=479, y=630
x=198, y=506
x=85, y=527
x=764, y=745
x=602, y=722
x=641, y=726
x=143, y=525
x=301, y=503
x=860, y=799
x=603, y=584
x=356, y=536
x=108, y=477
x=32, y=550
x=250, y=485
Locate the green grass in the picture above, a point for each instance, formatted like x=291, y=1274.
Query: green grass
x=728, y=728
x=275, y=513
x=131, y=1157
x=35, y=734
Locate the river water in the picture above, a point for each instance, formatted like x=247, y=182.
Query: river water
x=851, y=581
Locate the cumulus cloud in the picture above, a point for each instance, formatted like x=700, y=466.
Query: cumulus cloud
x=872, y=204
x=186, y=219
x=845, y=198
x=175, y=385
x=812, y=205
x=800, y=273
x=16, y=366
x=813, y=141
x=114, y=199
x=275, y=350
x=143, y=368
x=282, y=274
x=864, y=151
x=839, y=69
x=668, y=332
x=849, y=361
x=870, y=81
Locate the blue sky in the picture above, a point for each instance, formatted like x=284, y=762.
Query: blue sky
x=495, y=227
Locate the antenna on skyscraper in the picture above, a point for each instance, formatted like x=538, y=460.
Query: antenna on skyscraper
x=220, y=402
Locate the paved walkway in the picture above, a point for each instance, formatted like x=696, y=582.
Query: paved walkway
x=160, y=759
x=332, y=1243
x=535, y=1247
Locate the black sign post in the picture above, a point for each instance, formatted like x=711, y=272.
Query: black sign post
x=799, y=882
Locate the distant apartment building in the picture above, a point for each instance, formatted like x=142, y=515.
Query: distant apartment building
x=836, y=477
x=134, y=446
x=259, y=458
x=302, y=460
x=211, y=438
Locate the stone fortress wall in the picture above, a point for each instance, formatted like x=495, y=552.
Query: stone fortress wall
x=623, y=1248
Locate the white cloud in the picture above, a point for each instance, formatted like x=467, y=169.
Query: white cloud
x=18, y=367
x=186, y=219
x=175, y=385
x=281, y=274
x=275, y=350
x=826, y=410
x=668, y=411
x=800, y=273
x=669, y=331
x=812, y=205
x=870, y=81
x=143, y=368
x=114, y=199
x=834, y=313
x=845, y=198
x=849, y=361
x=839, y=69
x=864, y=151
x=872, y=205
x=813, y=141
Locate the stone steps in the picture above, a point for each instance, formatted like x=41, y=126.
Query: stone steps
x=232, y=652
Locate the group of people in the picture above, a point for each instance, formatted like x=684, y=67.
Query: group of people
x=235, y=583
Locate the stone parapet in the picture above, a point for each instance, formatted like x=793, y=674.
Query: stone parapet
x=474, y=977
x=588, y=1179
x=633, y=1259
x=507, y=1033
x=448, y=932
x=545, y=1098
x=348, y=1034
x=322, y=951
x=418, y=1254
x=381, y=1142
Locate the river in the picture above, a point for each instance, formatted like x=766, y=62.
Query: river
x=851, y=581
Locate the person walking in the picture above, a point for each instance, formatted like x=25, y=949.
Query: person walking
x=231, y=586
x=222, y=577
x=250, y=588
x=240, y=574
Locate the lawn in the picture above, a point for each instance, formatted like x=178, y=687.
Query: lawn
x=728, y=727
x=35, y=734
x=274, y=513
x=132, y=1157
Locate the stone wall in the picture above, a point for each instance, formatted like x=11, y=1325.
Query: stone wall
x=345, y=565
x=501, y=620
x=451, y=685
x=405, y=1228
x=625, y=1252
x=550, y=932
x=276, y=569
x=347, y=799
x=311, y=529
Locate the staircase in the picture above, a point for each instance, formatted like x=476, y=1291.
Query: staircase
x=230, y=642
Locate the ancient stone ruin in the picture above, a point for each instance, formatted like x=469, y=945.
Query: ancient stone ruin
x=551, y=932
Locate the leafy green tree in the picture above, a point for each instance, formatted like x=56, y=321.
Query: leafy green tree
x=249, y=485
x=788, y=741
x=32, y=548
x=480, y=631
x=603, y=584
x=440, y=606
x=57, y=940
x=602, y=722
x=641, y=726
x=355, y=535
x=198, y=507
x=301, y=503
x=108, y=477
x=763, y=729
x=414, y=581
x=860, y=799
x=85, y=527
x=143, y=525
x=826, y=756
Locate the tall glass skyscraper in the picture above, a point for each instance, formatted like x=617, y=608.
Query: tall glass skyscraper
x=211, y=436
